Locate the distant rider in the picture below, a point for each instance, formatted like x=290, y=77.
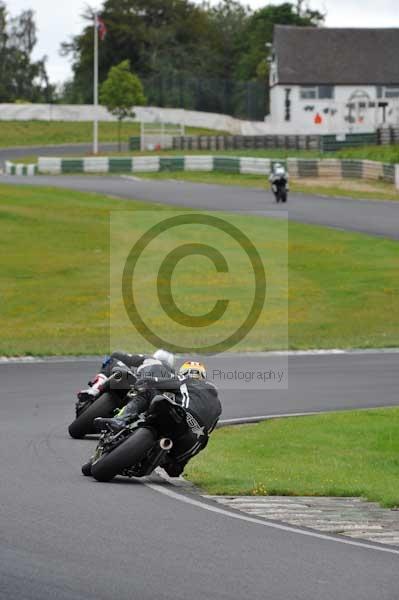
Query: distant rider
x=278, y=172
x=159, y=364
x=189, y=389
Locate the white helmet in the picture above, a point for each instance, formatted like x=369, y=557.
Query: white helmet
x=167, y=358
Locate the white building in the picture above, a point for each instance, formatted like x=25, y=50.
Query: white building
x=333, y=80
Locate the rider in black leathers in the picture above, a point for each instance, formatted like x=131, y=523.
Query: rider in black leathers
x=160, y=364
x=189, y=389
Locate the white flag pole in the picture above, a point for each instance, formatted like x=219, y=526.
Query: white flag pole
x=95, y=91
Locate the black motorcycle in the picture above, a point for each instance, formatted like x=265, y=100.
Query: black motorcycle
x=114, y=398
x=279, y=187
x=140, y=447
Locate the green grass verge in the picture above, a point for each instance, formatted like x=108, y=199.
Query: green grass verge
x=353, y=453
x=54, y=265
x=54, y=270
x=220, y=178
x=33, y=133
x=373, y=190
x=386, y=154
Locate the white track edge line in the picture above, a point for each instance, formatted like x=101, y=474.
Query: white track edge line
x=288, y=528
x=255, y=419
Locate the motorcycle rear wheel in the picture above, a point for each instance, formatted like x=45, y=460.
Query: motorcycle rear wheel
x=104, y=406
x=130, y=452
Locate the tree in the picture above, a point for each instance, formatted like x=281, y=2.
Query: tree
x=228, y=20
x=120, y=92
x=20, y=77
x=156, y=36
x=199, y=56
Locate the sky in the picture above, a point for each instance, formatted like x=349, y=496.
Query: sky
x=57, y=24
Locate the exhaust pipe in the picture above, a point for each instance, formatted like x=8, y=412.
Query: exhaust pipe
x=165, y=443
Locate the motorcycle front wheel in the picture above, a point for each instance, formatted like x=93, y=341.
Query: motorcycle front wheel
x=130, y=452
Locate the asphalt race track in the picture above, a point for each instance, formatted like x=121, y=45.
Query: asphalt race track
x=66, y=537
x=374, y=217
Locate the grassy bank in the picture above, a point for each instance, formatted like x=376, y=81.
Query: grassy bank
x=54, y=270
x=54, y=265
x=352, y=453
x=387, y=154
x=360, y=189
x=34, y=133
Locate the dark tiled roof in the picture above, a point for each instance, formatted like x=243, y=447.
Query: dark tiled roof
x=310, y=55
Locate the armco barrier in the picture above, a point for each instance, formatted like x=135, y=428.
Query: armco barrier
x=137, y=164
x=297, y=167
x=20, y=169
x=342, y=169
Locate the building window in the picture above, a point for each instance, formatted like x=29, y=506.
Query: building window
x=308, y=93
x=317, y=92
x=388, y=91
x=326, y=92
x=392, y=92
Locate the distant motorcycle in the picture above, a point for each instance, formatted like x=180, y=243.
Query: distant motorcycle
x=140, y=447
x=279, y=182
x=105, y=405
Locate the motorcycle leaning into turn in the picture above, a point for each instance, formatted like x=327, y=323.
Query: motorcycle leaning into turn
x=279, y=182
x=107, y=392
x=141, y=446
x=165, y=423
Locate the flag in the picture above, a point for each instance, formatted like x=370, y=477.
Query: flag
x=101, y=28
